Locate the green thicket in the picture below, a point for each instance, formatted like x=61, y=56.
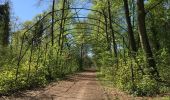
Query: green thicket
x=30, y=59
x=133, y=70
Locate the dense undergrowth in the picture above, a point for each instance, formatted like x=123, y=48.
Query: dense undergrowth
x=32, y=75
x=120, y=75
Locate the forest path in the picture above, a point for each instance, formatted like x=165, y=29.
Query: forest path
x=81, y=86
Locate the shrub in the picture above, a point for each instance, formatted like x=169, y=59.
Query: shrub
x=147, y=87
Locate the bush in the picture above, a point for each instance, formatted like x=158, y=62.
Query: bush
x=147, y=87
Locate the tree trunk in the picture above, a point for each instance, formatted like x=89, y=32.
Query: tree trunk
x=52, y=26
x=5, y=18
x=106, y=30
x=61, y=23
x=81, y=57
x=144, y=39
x=130, y=30
x=111, y=28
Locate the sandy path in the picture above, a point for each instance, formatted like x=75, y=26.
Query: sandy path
x=82, y=86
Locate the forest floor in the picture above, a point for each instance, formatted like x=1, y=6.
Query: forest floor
x=81, y=86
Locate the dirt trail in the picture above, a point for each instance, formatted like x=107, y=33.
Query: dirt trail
x=82, y=86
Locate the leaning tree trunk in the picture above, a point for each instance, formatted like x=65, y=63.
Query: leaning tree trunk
x=144, y=39
x=132, y=42
x=130, y=30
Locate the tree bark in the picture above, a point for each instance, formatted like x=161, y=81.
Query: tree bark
x=5, y=18
x=111, y=28
x=52, y=26
x=130, y=30
x=144, y=39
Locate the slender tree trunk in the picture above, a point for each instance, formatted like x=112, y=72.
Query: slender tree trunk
x=132, y=42
x=52, y=26
x=98, y=28
x=111, y=28
x=144, y=38
x=30, y=61
x=81, y=56
x=65, y=14
x=106, y=30
x=62, y=20
x=130, y=30
x=133, y=13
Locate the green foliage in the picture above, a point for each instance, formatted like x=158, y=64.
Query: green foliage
x=164, y=64
x=39, y=74
x=31, y=60
x=132, y=73
x=147, y=86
